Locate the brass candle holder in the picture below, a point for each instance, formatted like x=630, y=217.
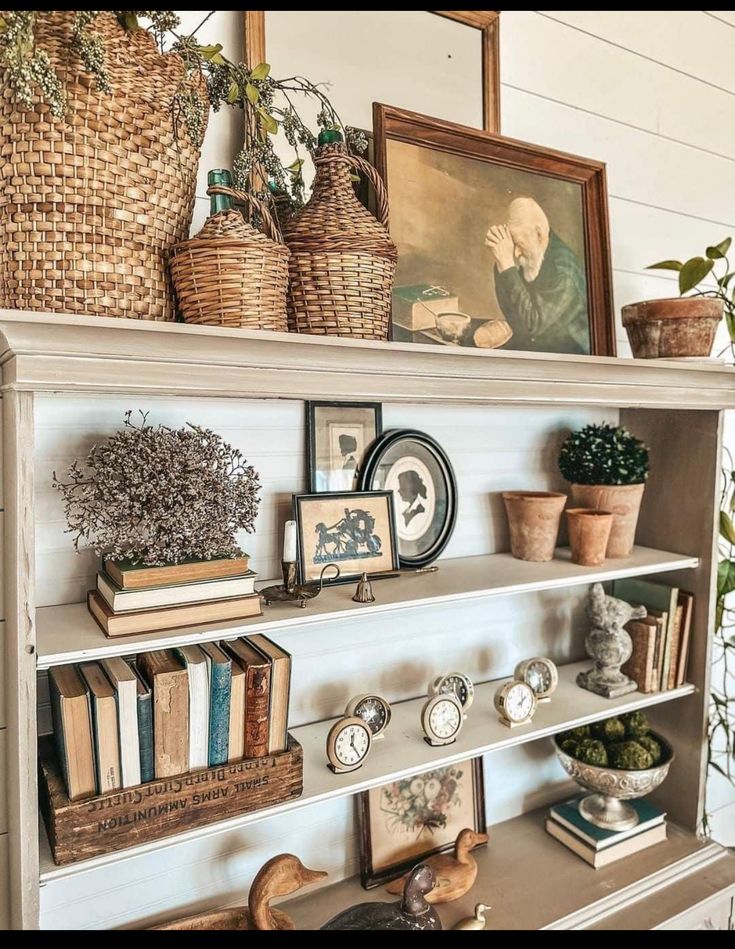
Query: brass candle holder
x=290, y=591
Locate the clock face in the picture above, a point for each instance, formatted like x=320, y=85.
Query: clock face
x=538, y=676
x=457, y=685
x=374, y=712
x=350, y=743
x=519, y=701
x=445, y=718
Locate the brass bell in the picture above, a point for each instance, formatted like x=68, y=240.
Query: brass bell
x=364, y=592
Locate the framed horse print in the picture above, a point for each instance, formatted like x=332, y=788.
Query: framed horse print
x=353, y=529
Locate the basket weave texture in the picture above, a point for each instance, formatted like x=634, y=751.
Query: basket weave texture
x=90, y=206
x=342, y=260
x=230, y=274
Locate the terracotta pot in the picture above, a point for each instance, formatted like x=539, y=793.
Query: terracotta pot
x=681, y=326
x=533, y=518
x=589, y=533
x=624, y=500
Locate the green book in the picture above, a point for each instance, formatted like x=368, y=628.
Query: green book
x=567, y=814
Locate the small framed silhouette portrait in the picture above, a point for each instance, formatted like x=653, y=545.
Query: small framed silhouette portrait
x=353, y=529
x=417, y=471
x=338, y=435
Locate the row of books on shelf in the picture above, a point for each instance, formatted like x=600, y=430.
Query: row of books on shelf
x=661, y=639
x=602, y=847
x=121, y=722
x=133, y=599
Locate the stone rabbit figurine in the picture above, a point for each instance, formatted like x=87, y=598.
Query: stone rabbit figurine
x=609, y=644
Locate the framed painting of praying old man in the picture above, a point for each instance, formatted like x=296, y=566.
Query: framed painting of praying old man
x=500, y=243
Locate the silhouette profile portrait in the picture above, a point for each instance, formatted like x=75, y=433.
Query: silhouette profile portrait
x=348, y=447
x=411, y=488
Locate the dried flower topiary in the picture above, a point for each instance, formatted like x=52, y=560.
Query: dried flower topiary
x=160, y=495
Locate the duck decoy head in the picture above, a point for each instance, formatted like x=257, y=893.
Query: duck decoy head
x=468, y=839
x=419, y=882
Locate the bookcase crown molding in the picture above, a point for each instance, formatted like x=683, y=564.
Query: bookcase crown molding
x=44, y=351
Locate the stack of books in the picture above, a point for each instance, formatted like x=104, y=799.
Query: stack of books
x=661, y=640
x=119, y=723
x=137, y=599
x=602, y=847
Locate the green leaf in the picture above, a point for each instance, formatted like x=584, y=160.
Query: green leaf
x=693, y=272
x=209, y=52
x=252, y=93
x=260, y=71
x=726, y=527
x=730, y=323
x=725, y=577
x=718, y=251
x=268, y=123
x=233, y=93
x=724, y=280
x=666, y=265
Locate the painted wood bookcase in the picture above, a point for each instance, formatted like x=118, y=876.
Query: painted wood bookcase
x=676, y=407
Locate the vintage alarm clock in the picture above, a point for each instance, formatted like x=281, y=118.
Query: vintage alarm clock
x=348, y=744
x=373, y=710
x=541, y=674
x=457, y=684
x=441, y=719
x=515, y=703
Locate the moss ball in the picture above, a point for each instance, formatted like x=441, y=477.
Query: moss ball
x=636, y=724
x=575, y=734
x=652, y=747
x=629, y=756
x=612, y=729
x=569, y=747
x=592, y=751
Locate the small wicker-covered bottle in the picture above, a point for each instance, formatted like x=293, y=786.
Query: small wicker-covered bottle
x=230, y=274
x=343, y=261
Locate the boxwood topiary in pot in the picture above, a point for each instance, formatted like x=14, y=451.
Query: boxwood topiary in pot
x=607, y=468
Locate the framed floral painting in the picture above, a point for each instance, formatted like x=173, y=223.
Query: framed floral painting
x=405, y=821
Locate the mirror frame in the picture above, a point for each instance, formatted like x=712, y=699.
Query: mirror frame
x=487, y=21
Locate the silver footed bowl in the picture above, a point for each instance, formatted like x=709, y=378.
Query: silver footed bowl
x=612, y=787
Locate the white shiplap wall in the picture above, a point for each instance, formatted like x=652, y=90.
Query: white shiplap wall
x=652, y=94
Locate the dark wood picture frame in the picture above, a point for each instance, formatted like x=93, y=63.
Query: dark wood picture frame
x=311, y=431
x=421, y=130
x=370, y=465
x=369, y=877
x=486, y=21
x=350, y=497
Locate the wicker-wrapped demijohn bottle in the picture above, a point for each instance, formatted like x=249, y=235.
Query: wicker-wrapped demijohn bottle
x=343, y=261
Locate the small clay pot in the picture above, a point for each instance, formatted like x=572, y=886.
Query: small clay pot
x=624, y=500
x=665, y=329
x=533, y=518
x=589, y=533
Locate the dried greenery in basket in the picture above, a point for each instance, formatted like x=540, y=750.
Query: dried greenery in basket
x=269, y=103
x=603, y=454
x=158, y=495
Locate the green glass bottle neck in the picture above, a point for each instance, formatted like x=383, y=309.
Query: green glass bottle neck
x=219, y=202
x=327, y=136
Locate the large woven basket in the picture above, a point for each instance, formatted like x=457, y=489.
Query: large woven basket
x=90, y=207
x=232, y=275
x=342, y=260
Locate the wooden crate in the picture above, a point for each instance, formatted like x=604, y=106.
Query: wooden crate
x=113, y=821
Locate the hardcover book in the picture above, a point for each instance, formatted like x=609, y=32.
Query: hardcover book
x=104, y=726
x=72, y=717
x=219, y=667
x=687, y=602
x=280, y=691
x=176, y=594
x=145, y=726
x=567, y=814
x=257, y=695
x=169, y=681
x=236, y=736
x=602, y=858
x=640, y=665
x=130, y=576
x=125, y=683
x=196, y=666
x=657, y=598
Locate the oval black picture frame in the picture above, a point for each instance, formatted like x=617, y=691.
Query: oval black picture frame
x=370, y=466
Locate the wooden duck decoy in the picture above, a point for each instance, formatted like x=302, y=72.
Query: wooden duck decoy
x=280, y=876
x=410, y=912
x=455, y=873
x=477, y=921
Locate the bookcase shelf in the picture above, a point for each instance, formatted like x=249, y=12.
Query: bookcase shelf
x=403, y=751
x=69, y=634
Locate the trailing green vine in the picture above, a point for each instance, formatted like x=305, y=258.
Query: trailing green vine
x=715, y=266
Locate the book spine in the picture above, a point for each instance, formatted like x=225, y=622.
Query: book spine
x=59, y=737
x=219, y=713
x=257, y=702
x=145, y=734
